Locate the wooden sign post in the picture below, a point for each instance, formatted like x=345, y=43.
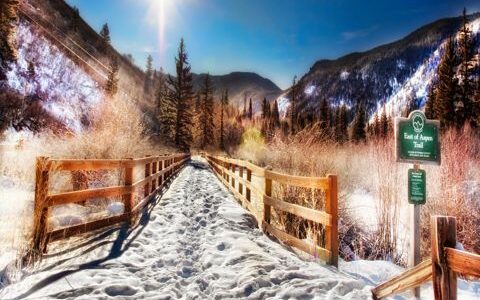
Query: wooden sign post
x=417, y=141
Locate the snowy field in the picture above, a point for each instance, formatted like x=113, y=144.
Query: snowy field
x=196, y=243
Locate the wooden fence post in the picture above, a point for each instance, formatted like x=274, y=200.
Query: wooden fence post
x=128, y=199
x=331, y=208
x=154, y=171
x=146, y=189
x=40, y=214
x=240, y=185
x=443, y=232
x=232, y=169
x=248, y=191
x=160, y=178
x=266, y=208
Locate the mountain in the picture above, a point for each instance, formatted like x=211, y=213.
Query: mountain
x=71, y=65
x=241, y=86
x=396, y=73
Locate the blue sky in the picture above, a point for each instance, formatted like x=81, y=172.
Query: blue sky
x=275, y=38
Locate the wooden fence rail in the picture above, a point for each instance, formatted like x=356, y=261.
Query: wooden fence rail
x=225, y=169
x=158, y=170
x=446, y=262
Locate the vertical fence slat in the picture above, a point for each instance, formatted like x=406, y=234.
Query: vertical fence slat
x=267, y=208
x=240, y=185
x=148, y=169
x=248, y=193
x=331, y=208
x=443, y=231
x=160, y=166
x=154, y=171
x=42, y=174
x=128, y=199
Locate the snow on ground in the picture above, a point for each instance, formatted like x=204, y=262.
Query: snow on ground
x=197, y=242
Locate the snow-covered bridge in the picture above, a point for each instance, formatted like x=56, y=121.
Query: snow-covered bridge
x=195, y=243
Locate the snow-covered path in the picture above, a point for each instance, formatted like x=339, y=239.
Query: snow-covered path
x=196, y=243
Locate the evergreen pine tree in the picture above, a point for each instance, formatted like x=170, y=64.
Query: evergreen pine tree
x=343, y=124
x=111, y=86
x=275, y=115
x=163, y=109
x=359, y=125
x=148, y=74
x=105, y=36
x=293, y=105
x=447, y=86
x=8, y=18
x=206, y=119
x=376, y=125
x=384, y=123
x=337, y=128
x=198, y=104
x=466, y=47
x=181, y=94
x=324, y=116
x=430, y=111
x=75, y=19
x=244, y=115
x=222, y=119
x=250, y=110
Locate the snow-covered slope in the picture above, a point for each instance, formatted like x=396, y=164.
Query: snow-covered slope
x=67, y=92
x=415, y=88
x=394, y=73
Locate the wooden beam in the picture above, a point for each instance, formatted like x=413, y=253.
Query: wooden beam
x=303, y=212
x=300, y=181
x=77, y=196
x=86, y=164
x=443, y=232
x=409, y=279
x=462, y=262
x=290, y=240
x=86, y=227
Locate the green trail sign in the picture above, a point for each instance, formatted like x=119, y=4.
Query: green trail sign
x=417, y=186
x=417, y=139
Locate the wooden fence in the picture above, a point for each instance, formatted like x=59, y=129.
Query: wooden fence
x=442, y=268
x=225, y=169
x=158, y=171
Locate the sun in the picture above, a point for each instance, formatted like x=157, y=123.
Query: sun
x=162, y=14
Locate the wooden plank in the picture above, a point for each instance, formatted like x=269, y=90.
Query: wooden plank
x=443, y=234
x=304, y=212
x=77, y=196
x=86, y=227
x=409, y=279
x=299, y=181
x=465, y=263
x=87, y=164
x=267, y=191
x=331, y=208
x=129, y=198
x=290, y=240
x=40, y=213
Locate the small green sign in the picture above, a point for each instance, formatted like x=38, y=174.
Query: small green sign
x=417, y=139
x=417, y=187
